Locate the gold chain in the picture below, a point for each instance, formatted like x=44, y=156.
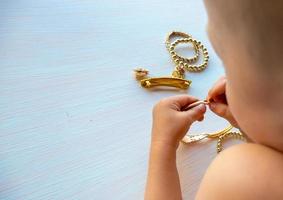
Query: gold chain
x=177, y=78
x=171, y=48
x=190, y=138
x=220, y=135
x=183, y=62
x=236, y=135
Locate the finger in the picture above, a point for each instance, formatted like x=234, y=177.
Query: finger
x=222, y=110
x=181, y=100
x=217, y=90
x=194, y=114
x=201, y=119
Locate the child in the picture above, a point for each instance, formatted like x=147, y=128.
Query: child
x=248, y=37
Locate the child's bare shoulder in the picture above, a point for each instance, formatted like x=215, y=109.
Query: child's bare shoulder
x=246, y=171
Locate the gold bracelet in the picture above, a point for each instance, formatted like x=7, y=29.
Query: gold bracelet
x=173, y=34
x=171, y=47
x=185, y=62
x=181, y=61
x=177, y=78
x=190, y=138
x=221, y=135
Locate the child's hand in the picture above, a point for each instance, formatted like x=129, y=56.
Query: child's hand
x=218, y=102
x=170, y=123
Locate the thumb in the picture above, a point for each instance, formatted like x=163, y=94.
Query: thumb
x=195, y=113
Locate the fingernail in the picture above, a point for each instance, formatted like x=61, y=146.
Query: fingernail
x=200, y=107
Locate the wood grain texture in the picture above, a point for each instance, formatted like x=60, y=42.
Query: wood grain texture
x=74, y=124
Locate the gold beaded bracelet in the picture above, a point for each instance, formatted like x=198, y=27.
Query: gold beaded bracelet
x=177, y=78
x=181, y=61
x=170, y=46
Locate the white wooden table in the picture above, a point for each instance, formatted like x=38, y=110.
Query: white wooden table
x=74, y=124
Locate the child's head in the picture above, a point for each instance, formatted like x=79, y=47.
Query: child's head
x=248, y=37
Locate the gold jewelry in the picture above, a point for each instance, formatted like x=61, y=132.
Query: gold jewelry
x=173, y=34
x=177, y=78
x=197, y=137
x=171, y=48
x=140, y=73
x=166, y=81
x=221, y=135
x=183, y=62
x=236, y=135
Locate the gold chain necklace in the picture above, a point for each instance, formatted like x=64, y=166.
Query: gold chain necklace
x=219, y=135
x=177, y=78
x=236, y=135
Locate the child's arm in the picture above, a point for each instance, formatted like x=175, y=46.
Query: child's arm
x=170, y=124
